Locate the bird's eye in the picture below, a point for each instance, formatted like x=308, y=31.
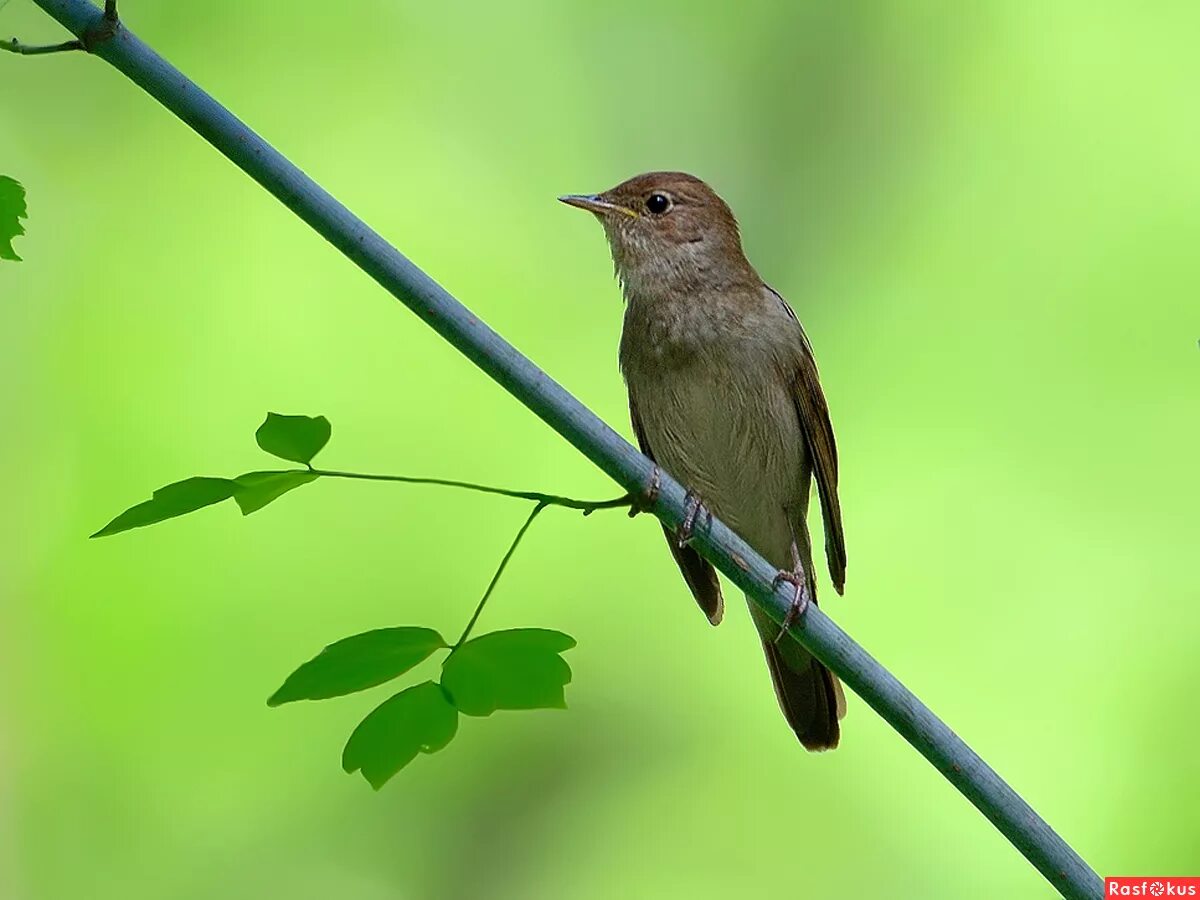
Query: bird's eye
x=658, y=203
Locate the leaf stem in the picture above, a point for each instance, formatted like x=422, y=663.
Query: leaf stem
x=538, y=507
x=543, y=500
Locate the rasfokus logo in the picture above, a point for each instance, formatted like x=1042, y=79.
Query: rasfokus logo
x=1157, y=886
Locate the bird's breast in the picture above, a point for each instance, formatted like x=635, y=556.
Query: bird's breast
x=717, y=412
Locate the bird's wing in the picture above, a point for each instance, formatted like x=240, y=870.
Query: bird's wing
x=699, y=574
x=822, y=449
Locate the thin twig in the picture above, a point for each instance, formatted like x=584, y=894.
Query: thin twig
x=512, y=548
x=587, y=506
x=15, y=46
x=542, y=501
x=110, y=10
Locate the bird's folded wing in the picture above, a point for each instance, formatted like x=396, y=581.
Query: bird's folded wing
x=822, y=449
x=818, y=432
x=699, y=574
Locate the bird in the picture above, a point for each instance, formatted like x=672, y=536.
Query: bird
x=724, y=394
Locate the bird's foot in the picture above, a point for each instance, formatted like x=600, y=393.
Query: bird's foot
x=799, y=599
x=692, y=508
x=644, y=502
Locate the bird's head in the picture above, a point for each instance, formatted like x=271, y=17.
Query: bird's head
x=667, y=230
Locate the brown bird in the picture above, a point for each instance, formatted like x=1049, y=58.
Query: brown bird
x=724, y=395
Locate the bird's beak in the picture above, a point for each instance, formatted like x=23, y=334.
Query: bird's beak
x=594, y=203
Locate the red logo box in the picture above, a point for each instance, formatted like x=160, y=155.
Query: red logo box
x=1151, y=886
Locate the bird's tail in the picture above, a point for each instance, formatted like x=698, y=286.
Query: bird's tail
x=809, y=694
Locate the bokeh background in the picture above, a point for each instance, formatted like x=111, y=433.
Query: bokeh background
x=987, y=216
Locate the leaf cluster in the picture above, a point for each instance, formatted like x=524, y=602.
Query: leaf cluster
x=514, y=669
x=294, y=438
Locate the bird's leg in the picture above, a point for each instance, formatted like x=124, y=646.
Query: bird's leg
x=644, y=502
x=797, y=578
x=692, y=506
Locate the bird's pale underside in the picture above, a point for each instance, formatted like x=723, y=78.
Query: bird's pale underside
x=724, y=395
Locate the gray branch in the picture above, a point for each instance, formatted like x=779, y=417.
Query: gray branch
x=949, y=754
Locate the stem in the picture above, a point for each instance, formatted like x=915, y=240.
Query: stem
x=15, y=46
x=543, y=501
x=496, y=577
x=587, y=506
x=903, y=710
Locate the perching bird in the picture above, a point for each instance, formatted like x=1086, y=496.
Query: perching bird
x=724, y=395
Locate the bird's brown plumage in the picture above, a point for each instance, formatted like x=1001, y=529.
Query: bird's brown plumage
x=724, y=394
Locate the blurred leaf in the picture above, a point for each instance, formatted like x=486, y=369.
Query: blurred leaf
x=12, y=210
x=357, y=663
x=517, y=669
x=256, y=489
x=296, y=438
x=418, y=720
x=176, y=499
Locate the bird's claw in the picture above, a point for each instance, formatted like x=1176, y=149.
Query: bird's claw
x=692, y=506
x=799, y=599
x=644, y=502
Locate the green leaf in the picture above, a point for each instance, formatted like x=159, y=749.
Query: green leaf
x=176, y=499
x=295, y=438
x=418, y=720
x=357, y=663
x=517, y=669
x=12, y=210
x=256, y=489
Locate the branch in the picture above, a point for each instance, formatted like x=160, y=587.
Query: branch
x=949, y=754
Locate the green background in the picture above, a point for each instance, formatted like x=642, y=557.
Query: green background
x=986, y=215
